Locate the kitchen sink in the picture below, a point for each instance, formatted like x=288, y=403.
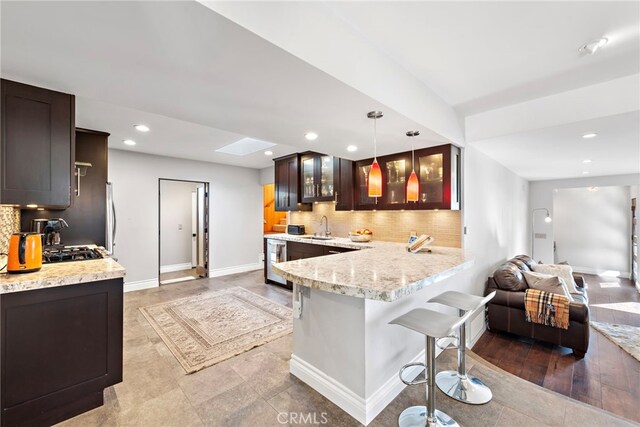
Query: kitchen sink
x=322, y=238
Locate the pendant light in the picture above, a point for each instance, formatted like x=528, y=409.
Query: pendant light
x=374, y=186
x=413, y=185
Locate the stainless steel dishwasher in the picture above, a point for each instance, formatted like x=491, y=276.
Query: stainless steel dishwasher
x=276, y=252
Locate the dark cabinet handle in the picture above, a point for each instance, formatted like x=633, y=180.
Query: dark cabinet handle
x=335, y=252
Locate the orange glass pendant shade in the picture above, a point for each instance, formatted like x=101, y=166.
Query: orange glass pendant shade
x=413, y=187
x=375, y=180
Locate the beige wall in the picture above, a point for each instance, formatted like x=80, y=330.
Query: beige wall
x=393, y=226
x=9, y=224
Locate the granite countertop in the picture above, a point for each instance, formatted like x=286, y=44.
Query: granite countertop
x=340, y=242
x=382, y=271
x=61, y=274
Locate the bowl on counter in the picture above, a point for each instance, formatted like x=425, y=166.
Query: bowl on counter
x=360, y=237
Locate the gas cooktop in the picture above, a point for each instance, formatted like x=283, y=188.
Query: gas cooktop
x=53, y=254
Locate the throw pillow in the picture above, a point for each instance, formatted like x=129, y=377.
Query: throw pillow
x=565, y=272
x=547, y=283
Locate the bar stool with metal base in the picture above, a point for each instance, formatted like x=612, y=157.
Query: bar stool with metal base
x=457, y=384
x=433, y=325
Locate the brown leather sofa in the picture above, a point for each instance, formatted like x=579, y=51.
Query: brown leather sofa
x=506, y=309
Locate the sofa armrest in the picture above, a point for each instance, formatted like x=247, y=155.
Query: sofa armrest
x=579, y=280
x=579, y=312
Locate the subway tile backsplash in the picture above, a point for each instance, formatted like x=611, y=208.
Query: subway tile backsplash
x=394, y=226
x=9, y=224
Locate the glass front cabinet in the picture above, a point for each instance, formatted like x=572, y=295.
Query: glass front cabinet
x=317, y=177
x=438, y=170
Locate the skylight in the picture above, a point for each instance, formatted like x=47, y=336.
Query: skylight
x=245, y=146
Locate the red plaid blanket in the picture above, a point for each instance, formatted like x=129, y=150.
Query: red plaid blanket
x=546, y=308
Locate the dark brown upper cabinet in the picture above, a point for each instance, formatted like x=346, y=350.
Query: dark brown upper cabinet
x=287, y=184
x=343, y=170
x=438, y=170
x=37, y=146
x=317, y=177
x=87, y=214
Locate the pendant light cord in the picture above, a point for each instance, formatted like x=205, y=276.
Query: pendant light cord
x=375, y=141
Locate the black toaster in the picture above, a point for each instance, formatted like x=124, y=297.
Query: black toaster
x=297, y=230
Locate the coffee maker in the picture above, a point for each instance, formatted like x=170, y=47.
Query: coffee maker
x=49, y=229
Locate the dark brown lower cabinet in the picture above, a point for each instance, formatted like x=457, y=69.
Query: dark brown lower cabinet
x=60, y=348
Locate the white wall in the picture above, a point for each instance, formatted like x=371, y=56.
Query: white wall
x=176, y=215
x=235, y=212
x=267, y=175
x=592, y=228
x=496, y=202
x=541, y=196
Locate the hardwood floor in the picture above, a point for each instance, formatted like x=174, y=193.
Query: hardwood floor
x=607, y=377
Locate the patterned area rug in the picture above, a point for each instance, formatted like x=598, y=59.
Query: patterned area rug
x=208, y=328
x=625, y=336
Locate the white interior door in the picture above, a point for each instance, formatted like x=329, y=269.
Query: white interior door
x=200, y=225
x=194, y=229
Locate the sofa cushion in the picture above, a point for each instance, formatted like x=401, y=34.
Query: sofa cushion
x=565, y=272
x=527, y=260
x=520, y=264
x=547, y=283
x=509, y=277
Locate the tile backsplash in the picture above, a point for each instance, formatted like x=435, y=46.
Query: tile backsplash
x=9, y=224
x=394, y=226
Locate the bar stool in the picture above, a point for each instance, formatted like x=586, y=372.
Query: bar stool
x=457, y=384
x=432, y=325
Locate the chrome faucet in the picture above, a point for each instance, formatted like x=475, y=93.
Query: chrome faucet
x=327, y=233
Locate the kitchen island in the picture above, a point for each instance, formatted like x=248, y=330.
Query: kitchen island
x=343, y=346
x=61, y=340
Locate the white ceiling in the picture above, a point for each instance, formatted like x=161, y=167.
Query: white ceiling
x=190, y=68
x=201, y=81
x=167, y=137
x=483, y=55
x=558, y=152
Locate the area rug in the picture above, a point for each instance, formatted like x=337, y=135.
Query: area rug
x=208, y=328
x=624, y=336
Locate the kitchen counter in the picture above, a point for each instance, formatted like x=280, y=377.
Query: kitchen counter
x=382, y=271
x=61, y=274
x=343, y=344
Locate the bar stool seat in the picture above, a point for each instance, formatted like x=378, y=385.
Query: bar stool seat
x=457, y=384
x=433, y=325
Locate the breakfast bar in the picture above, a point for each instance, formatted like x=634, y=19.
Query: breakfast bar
x=343, y=346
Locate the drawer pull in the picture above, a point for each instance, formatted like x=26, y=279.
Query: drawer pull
x=335, y=252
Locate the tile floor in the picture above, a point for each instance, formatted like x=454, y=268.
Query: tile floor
x=252, y=389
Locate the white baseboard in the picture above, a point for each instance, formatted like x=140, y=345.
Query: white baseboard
x=476, y=329
x=217, y=272
x=141, y=284
x=598, y=271
x=363, y=410
x=175, y=267
x=333, y=390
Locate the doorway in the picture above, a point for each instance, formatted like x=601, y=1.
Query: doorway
x=183, y=226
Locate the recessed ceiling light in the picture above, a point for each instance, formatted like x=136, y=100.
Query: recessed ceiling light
x=589, y=135
x=593, y=46
x=352, y=148
x=585, y=172
x=268, y=153
x=142, y=128
x=129, y=142
x=586, y=161
x=311, y=136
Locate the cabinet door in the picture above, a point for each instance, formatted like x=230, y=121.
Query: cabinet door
x=361, y=196
x=438, y=170
x=308, y=179
x=37, y=146
x=281, y=185
x=325, y=178
x=343, y=184
x=292, y=183
x=395, y=170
